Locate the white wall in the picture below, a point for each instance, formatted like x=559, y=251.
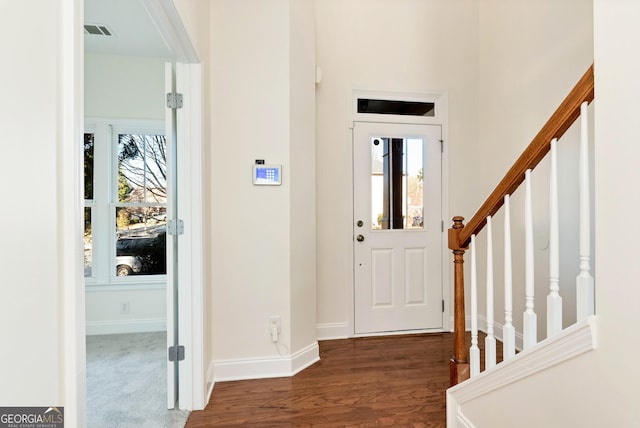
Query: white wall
x=43, y=357
x=129, y=89
x=401, y=45
x=30, y=305
x=530, y=56
x=124, y=87
x=146, y=309
x=599, y=388
x=41, y=293
x=617, y=198
x=250, y=234
x=248, y=61
x=261, y=92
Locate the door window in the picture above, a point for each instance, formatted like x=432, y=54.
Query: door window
x=397, y=166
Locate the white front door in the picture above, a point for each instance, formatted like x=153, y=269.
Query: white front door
x=397, y=227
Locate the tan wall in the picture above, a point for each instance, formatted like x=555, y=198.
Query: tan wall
x=403, y=46
x=598, y=388
x=530, y=56
x=261, y=81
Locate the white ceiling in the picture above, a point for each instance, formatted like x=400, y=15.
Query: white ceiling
x=134, y=33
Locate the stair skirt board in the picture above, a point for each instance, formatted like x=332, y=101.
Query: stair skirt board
x=268, y=367
x=126, y=326
x=571, y=342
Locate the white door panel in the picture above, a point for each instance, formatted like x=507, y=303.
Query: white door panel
x=397, y=227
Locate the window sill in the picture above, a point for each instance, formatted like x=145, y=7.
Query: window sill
x=155, y=283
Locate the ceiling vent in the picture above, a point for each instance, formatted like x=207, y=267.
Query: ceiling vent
x=97, y=29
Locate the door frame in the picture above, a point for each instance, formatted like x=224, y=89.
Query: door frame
x=440, y=98
x=195, y=387
x=192, y=392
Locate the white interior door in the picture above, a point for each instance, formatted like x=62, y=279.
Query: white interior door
x=397, y=227
x=186, y=386
x=172, y=241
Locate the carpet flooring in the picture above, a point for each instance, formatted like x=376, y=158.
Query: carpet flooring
x=127, y=382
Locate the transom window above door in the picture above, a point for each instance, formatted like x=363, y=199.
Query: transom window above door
x=403, y=108
x=398, y=107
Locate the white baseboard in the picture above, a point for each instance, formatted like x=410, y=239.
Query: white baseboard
x=305, y=358
x=497, y=330
x=268, y=367
x=331, y=331
x=126, y=326
x=569, y=343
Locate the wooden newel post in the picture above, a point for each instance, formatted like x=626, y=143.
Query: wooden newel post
x=459, y=364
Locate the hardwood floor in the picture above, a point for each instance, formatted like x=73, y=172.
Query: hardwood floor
x=395, y=381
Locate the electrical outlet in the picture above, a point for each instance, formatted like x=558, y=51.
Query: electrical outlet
x=124, y=308
x=275, y=328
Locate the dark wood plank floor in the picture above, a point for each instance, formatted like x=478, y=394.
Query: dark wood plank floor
x=382, y=381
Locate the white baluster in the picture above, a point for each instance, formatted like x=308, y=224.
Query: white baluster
x=554, y=300
x=530, y=318
x=584, y=281
x=474, y=351
x=490, y=340
x=508, y=331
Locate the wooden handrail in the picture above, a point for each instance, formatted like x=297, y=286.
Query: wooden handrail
x=460, y=234
x=556, y=126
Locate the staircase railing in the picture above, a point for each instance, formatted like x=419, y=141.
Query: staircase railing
x=461, y=236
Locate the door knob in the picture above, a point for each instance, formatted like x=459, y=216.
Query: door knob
x=359, y=238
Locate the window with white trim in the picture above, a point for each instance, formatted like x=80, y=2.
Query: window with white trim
x=125, y=203
x=89, y=143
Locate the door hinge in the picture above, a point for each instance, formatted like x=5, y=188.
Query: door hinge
x=441, y=146
x=176, y=353
x=175, y=227
x=441, y=225
x=443, y=305
x=174, y=100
